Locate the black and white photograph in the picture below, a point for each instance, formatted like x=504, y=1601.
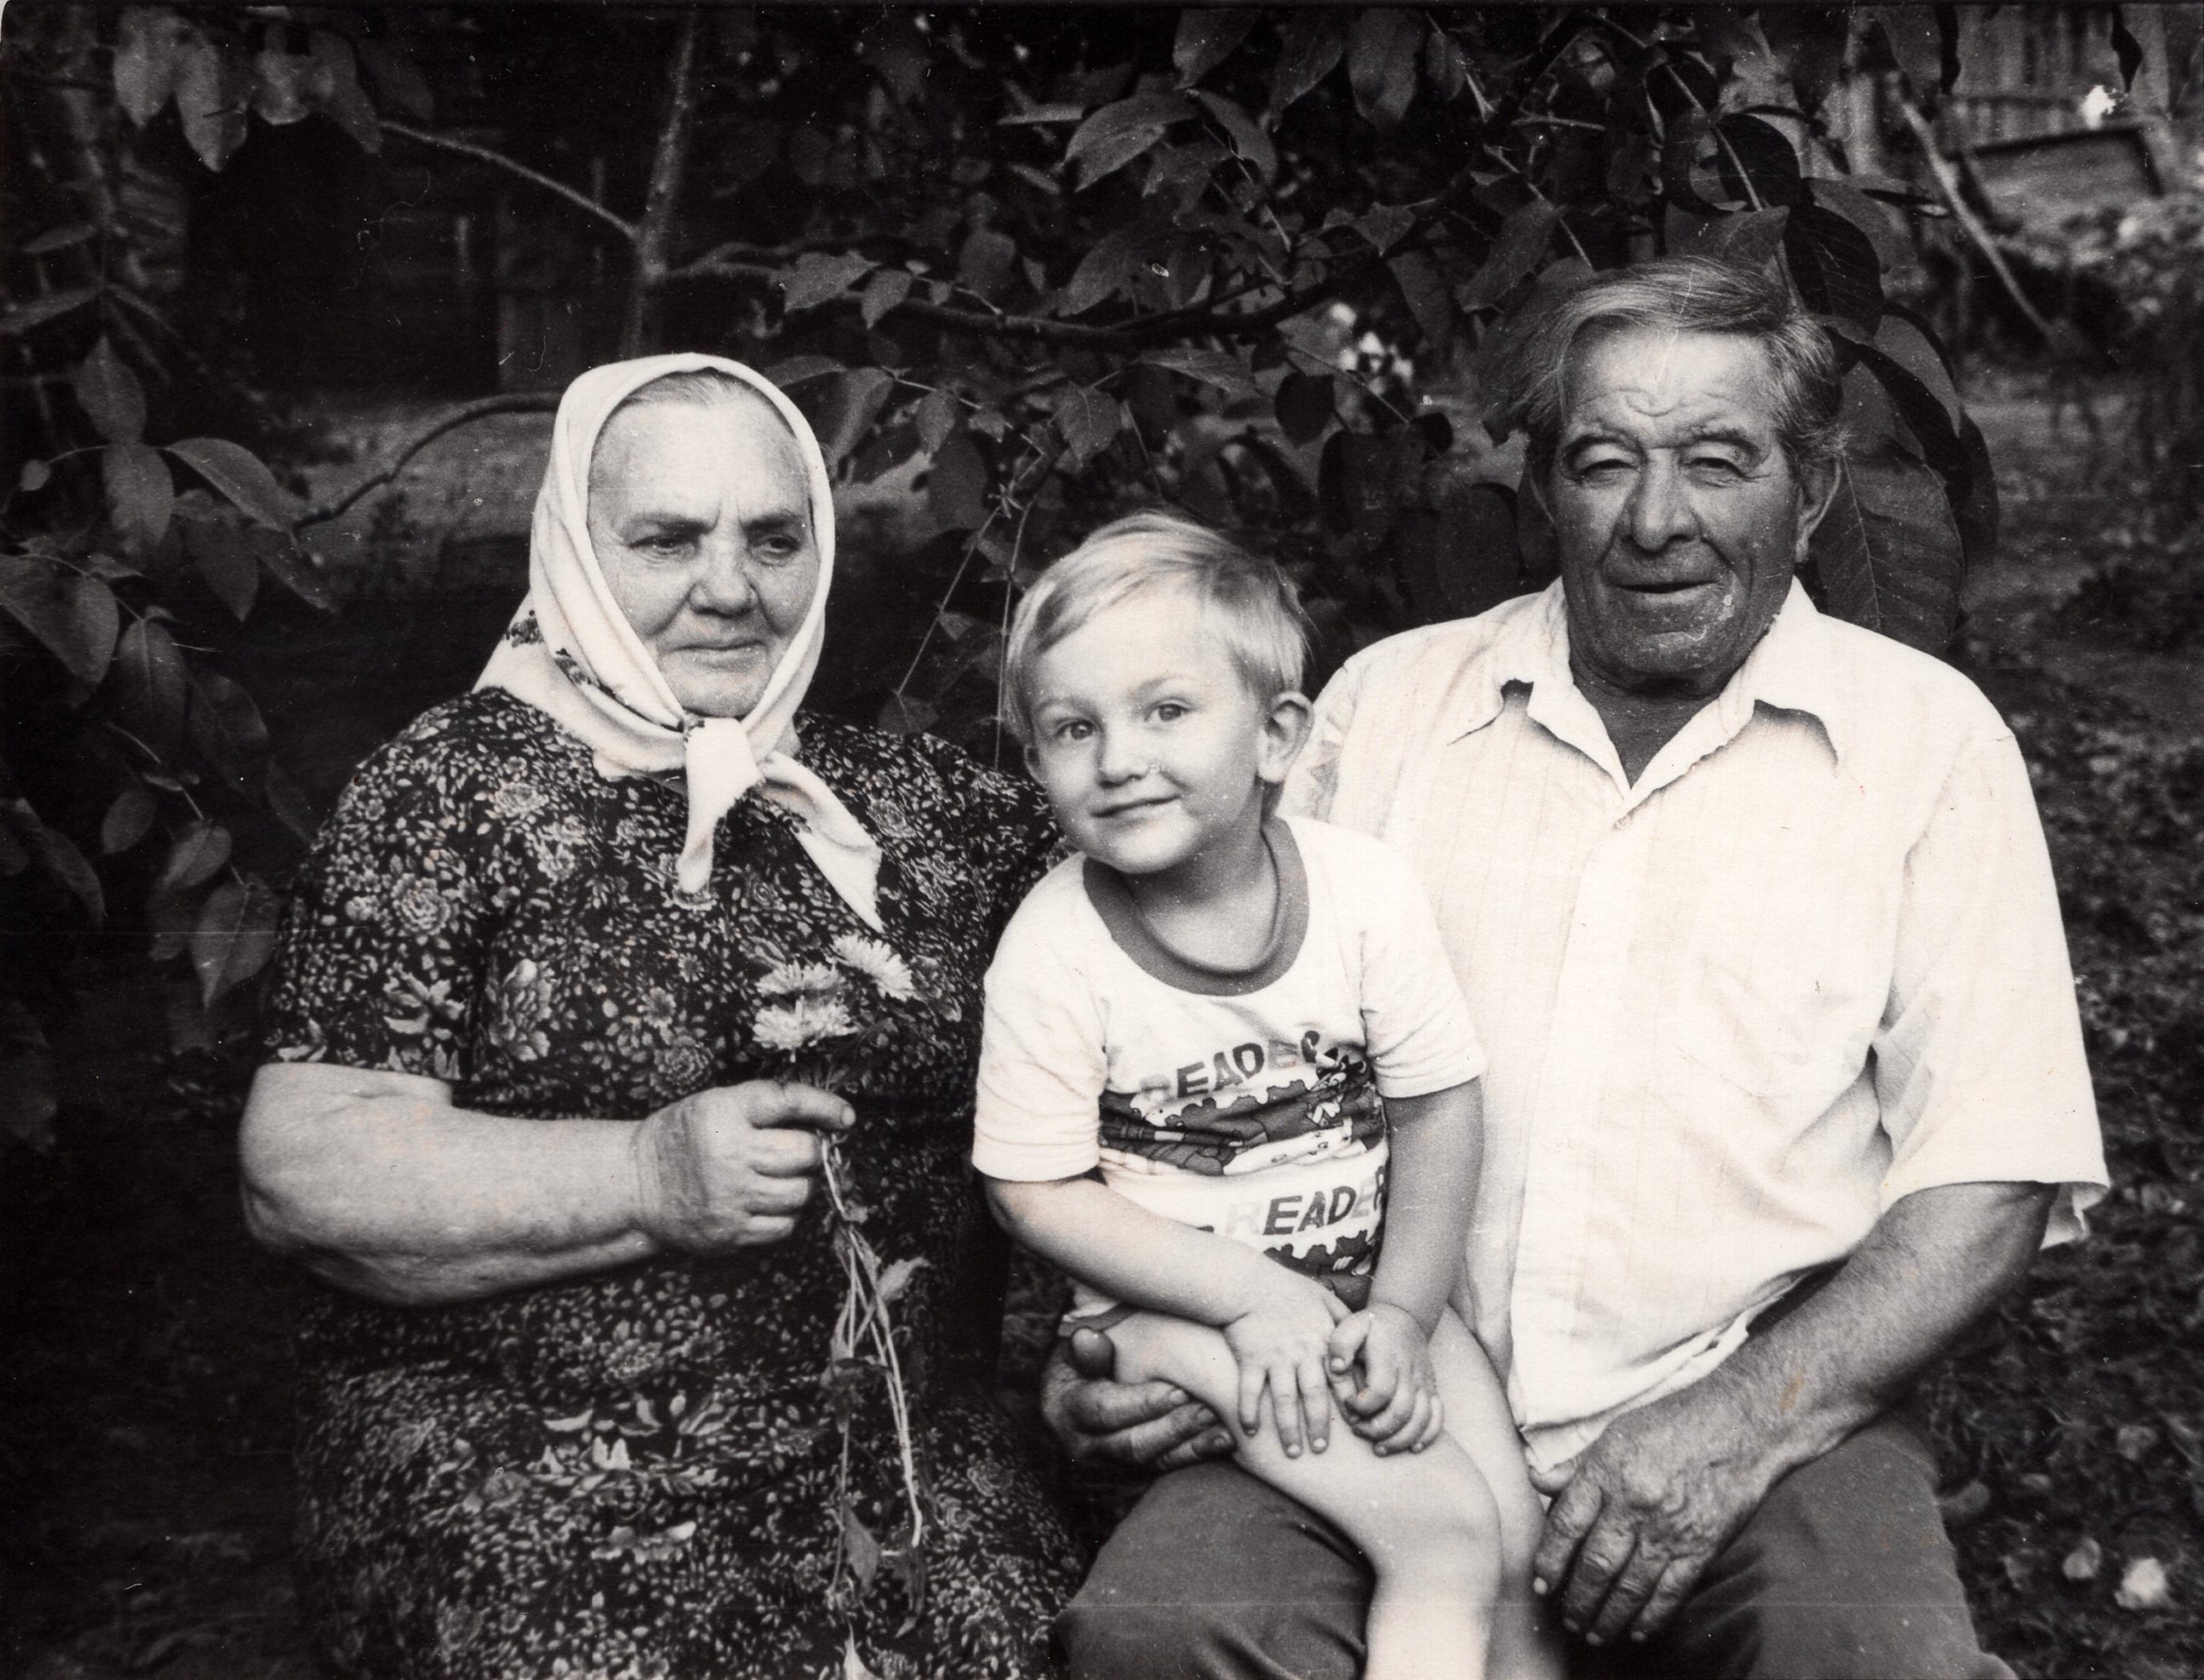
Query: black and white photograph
x=1067, y=841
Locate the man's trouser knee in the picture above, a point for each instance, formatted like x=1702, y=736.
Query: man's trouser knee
x=1844, y=1574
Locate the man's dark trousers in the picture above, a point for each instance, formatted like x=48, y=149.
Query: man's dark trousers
x=1845, y=1573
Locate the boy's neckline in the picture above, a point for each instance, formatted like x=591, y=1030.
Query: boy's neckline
x=1129, y=930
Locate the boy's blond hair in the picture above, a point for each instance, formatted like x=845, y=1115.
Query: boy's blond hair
x=1247, y=603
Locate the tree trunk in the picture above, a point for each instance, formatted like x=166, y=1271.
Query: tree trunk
x=669, y=162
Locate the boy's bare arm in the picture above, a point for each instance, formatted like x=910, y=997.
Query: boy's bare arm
x=1114, y=1245
x=1438, y=1142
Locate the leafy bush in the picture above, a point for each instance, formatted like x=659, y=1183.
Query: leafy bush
x=1040, y=264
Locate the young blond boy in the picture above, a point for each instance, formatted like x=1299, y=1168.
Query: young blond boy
x=1248, y=1026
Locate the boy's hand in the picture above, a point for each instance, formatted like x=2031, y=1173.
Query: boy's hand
x=1280, y=1344
x=1393, y=1401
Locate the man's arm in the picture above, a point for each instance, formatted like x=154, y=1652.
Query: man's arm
x=1639, y=1515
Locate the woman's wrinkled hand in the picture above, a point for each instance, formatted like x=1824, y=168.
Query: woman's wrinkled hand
x=731, y=1167
x=1096, y=1419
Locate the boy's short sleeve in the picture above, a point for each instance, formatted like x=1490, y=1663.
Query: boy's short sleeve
x=1036, y=1116
x=1414, y=1014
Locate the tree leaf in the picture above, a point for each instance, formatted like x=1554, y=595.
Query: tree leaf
x=1249, y=143
x=28, y=1104
x=1304, y=405
x=1424, y=288
x=903, y=715
x=1833, y=265
x=1089, y=421
x=1221, y=369
x=1891, y=248
x=212, y=84
x=39, y=311
x=1108, y=263
x=818, y=276
x=1523, y=240
x=1889, y=553
x=883, y=291
x=140, y=495
x=73, y=618
x=241, y=475
x=110, y=395
x=344, y=101
x=149, y=685
x=1117, y=133
x=147, y=50
x=295, y=568
x=193, y=858
x=1313, y=40
x=70, y=233
x=226, y=727
x=1206, y=38
x=287, y=87
x=287, y=803
x=225, y=561
x=956, y=485
x=1382, y=225
x=843, y=409
x=1916, y=41
x=1381, y=62
x=984, y=261
x=1750, y=238
x=1766, y=159
x=35, y=475
x=234, y=937
x=128, y=818
x=396, y=83
x=57, y=854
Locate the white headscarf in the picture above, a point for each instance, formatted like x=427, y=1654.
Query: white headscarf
x=625, y=711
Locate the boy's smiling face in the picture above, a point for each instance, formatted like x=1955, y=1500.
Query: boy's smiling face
x=1150, y=747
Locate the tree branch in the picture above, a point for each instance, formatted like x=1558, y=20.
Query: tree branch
x=1948, y=187
x=669, y=162
x=522, y=402
x=626, y=229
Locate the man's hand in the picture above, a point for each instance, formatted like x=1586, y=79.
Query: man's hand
x=730, y=1167
x=1096, y=1419
x=1637, y=1517
x=1392, y=1401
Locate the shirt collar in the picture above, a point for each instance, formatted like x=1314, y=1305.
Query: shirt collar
x=1791, y=670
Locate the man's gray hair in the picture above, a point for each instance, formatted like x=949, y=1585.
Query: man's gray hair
x=1687, y=294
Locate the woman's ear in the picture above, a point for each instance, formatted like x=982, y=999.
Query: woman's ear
x=1283, y=731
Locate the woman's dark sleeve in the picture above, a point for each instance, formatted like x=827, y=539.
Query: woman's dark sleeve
x=380, y=961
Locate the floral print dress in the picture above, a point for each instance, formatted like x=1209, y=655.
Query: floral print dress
x=636, y=1473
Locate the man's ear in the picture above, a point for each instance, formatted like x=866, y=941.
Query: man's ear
x=1817, y=489
x=1032, y=760
x=1283, y=731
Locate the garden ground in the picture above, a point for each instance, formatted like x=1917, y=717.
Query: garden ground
x=143, y=1413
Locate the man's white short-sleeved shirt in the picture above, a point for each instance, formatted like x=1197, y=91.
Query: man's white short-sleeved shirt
x=1245, y=1105
x=1810, y=962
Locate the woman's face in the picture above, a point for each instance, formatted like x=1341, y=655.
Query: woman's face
x=702, y=520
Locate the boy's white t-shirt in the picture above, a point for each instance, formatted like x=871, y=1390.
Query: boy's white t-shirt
x=1245, y=1104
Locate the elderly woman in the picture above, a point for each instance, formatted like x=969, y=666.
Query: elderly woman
x=580, y=973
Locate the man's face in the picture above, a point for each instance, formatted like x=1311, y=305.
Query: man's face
x=1679, y=515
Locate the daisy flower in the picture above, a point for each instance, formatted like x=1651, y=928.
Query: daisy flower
x=889, y=973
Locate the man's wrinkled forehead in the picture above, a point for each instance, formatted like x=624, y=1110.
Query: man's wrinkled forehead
x=1695, y=383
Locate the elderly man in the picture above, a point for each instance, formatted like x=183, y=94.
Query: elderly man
x=1756, y=920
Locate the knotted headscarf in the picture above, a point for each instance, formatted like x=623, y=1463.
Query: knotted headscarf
x=621, y=706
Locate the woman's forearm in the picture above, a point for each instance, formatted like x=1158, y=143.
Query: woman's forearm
x=1114, y=1245
x=1437, y=1143
x=380, y=1185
